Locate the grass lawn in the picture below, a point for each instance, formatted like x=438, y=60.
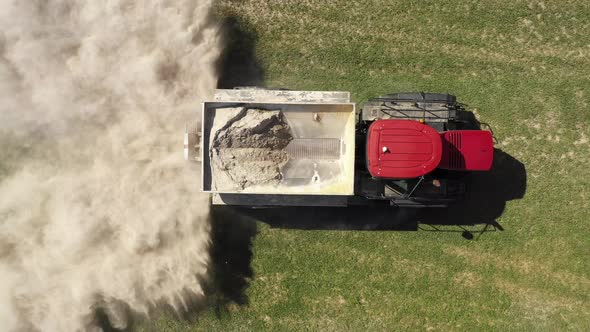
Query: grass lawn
x=521, y=66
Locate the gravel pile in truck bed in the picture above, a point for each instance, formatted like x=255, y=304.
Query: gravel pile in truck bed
x=247, y=148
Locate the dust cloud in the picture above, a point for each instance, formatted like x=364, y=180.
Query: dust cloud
x=98, y=209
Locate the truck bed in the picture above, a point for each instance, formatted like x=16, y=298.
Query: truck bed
x=279, y=143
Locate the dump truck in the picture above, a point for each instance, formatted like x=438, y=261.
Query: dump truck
x=269, y=148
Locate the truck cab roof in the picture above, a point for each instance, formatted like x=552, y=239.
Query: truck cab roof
x=402, y=149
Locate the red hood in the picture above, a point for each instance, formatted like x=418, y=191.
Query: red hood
x=467, y=150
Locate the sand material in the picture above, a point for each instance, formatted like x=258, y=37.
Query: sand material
x=247, y=148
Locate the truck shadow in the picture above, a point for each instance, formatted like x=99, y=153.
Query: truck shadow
x=238, y=65
x=487, y=195
x=231, y=253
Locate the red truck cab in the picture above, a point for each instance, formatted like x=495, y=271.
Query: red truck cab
x=404, y=149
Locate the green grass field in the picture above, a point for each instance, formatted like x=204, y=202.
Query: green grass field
x=521, y=66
